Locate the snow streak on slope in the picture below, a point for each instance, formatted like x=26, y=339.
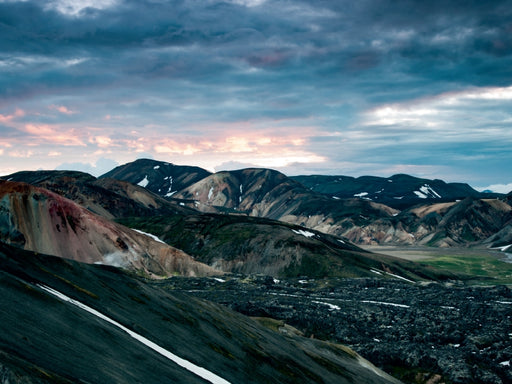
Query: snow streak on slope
x=199, y=371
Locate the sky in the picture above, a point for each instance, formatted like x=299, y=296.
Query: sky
x=367, y=87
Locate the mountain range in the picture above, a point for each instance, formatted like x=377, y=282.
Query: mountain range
x=77, y=249
x=367, y=210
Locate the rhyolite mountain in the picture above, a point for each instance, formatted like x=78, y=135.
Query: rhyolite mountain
x=67, y=322
x=39, y=220
x=398, y=191
x=159, y=177
x=267, y=193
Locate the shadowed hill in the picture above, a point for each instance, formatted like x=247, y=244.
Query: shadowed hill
x=250, y=245
x=398, y=191
x=159, y=177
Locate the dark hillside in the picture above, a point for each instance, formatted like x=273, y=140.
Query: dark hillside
x=47, y=340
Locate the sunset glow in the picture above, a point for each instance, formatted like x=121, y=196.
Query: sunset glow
x=332, y=87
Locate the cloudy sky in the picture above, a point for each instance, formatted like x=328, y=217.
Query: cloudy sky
x=367, y=87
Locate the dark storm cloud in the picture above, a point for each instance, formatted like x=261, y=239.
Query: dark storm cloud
x=186, y=68
x=434, y=41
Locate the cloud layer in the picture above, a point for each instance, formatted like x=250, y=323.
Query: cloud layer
x=340, y=87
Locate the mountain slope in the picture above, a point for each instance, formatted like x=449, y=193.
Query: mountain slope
x=159, y=177
x=250, y=245
x=398, y=191
x=46, y=339
x=109, y=198
x=42, y=221
x=270, y=194
x=266, y=193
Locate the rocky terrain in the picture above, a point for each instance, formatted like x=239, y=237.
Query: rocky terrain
x=420, y=333
x=264, y=245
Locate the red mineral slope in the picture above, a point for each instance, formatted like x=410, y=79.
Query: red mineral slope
x=39, y=220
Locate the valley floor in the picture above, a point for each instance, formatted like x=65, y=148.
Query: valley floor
x=418, y=332
x=490, y=266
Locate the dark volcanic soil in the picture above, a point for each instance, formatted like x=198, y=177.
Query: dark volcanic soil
x=419, y=333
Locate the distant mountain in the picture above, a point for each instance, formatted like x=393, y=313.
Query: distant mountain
x=42, y=221
x=268, y=193
x=66, y=322
x=398, y=191
x=440, y=219
x=467, y=222
x=159, y=177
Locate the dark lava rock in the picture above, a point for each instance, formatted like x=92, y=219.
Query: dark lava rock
x=417, y=332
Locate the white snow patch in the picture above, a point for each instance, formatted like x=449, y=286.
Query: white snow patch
x=385, y=303
x=144, y=182
x=195, y=369
x=182, y=204
x=219, y=280
x=169, y=194
x=276, y=281
x=390, y=181
x=398, y=197
x=156, y=167
x=375, y=271
x=399, y=277
x=241, y=189
x=149, y=235
x=420, y=195
x=335, y=197
x=503, y=248
x=332, y=307
x=504, y=302
x=361, y=194
x=505, y=363
x=210, y=193
x=341, y=241
x=303, y=233
x=427, y=190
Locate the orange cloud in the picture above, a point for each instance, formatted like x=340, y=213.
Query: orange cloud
x=5, y=119
x=101, y=141
x=53, y=134
x=62, y=109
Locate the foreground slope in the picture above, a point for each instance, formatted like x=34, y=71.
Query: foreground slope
x=42, y=221
x=105, y=334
